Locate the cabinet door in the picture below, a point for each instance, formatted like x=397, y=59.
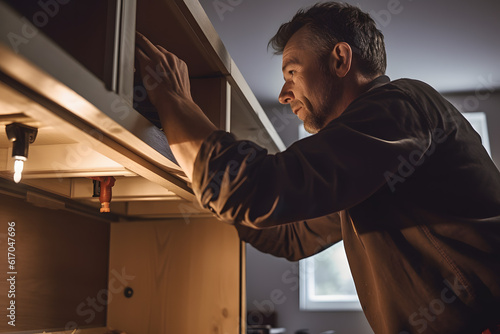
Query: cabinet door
x=185, y=275
x=83, y=28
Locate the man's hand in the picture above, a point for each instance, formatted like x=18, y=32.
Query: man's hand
x=166, y=80
x=165, y=76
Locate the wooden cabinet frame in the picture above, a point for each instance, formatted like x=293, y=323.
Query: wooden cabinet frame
x=88, y=127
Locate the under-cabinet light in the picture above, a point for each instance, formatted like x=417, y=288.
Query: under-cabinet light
x=21, y=137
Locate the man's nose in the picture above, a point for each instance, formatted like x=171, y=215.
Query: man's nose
x=286, y=95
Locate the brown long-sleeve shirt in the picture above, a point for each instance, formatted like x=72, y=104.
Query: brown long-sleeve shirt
x=403, y=179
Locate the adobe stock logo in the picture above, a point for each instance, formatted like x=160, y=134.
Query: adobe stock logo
x=223, y=6
x=407, y=165
x=426, y=314
x=48, y=10
x=93, y=305
x=383, y=17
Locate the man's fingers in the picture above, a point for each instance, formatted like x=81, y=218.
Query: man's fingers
x=143, y=42
x=156, y=63
x=165, y=51
x=153, y=51
x=172, y=59
x=145, y=45
x=142, y=59
x=139, y=53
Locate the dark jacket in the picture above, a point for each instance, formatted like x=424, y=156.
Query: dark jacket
x=403, y=179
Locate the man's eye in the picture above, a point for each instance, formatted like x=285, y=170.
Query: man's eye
x=292, y=72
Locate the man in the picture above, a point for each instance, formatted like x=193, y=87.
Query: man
x=392, y=169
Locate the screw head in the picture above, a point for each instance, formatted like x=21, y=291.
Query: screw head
x=128, y=292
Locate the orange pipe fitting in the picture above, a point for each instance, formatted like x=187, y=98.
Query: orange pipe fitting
x=106, y=183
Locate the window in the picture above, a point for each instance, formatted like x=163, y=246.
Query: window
x=326, y=282
x=478, y=122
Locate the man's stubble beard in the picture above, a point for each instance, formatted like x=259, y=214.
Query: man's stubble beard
x=316, y=118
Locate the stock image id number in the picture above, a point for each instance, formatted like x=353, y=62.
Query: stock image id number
x=11, y=243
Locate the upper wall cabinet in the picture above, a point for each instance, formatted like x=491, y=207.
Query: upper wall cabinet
x=67, y=69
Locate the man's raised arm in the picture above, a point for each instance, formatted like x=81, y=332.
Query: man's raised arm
x=184, y=123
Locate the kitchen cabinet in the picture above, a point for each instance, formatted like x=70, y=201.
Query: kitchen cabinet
x=67, y=69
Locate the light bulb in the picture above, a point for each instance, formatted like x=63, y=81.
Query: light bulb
x=18, y=169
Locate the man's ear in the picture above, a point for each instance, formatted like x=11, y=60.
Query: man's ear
x=341, y=59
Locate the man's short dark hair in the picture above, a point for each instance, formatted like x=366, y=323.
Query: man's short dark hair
x=330, y=23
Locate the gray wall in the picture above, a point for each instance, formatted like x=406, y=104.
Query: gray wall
x=284, y=121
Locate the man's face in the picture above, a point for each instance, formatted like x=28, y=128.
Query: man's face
x=309, y=88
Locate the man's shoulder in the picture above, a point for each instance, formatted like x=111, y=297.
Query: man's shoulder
x=411, y=86
x=410, y=90
x=402, y=98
